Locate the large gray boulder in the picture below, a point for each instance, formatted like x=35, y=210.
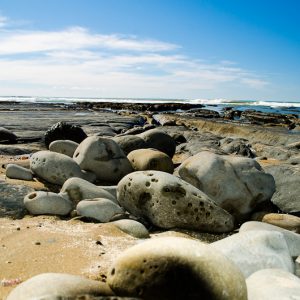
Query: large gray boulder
x=167, y=201
x=66, y=147
x=273, y=284
x=256, y=250
x=237, y=184
x=130, y=142
x=176, y=268
x=104, y=157
x=57, y=286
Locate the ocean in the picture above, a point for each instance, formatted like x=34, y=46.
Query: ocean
x=289, y=107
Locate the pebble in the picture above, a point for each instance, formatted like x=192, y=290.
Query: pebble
x=132, y=227
x=285, y=221
x=18, y=172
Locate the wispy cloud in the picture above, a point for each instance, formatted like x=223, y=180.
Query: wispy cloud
x=3, y=21
x=75, y=61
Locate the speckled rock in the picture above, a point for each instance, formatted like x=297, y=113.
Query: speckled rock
x=159, y=140
x=237, y=184
x=285, y=221
x=7, y=136
x=273, y=284
x=54, y=167
x=167, y=201
x=175, y=268
x=103, y=157
x=150, y=159
x=129, y=143
x=132, y=227
x=66, y=147
x=41, y=203
x=79, y=189
x=18, y=172
x=50, y=285
x=256, y=250
x=100, y=209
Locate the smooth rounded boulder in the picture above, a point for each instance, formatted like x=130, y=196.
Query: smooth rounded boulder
x=132, y=227
x=130, y=142
x=167, y=202
x=104, y=157
x=237, y=184
x=18, y=172
x=175, y=268
x=54, y=167
x=150, y=159
x=285, y=221
x=40, y=203
x=58, y=286
x=66, y=147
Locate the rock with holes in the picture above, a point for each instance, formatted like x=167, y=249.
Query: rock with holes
x=18, y=172
x=50, y=286
x=100, y=209
x=159, y=140
x=167, y=201
x=273, y=284
x=104, y=157
x=47, y=203
x=176, y=268
x=66, y=147
x=132, y=227
x=79, y=189
x=6, y=136
x=150, y=159
x=237, y=184
x=256, y=250
x=55, y=167
x=130, y=142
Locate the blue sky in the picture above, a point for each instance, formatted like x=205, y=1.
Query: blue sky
x=233, y=49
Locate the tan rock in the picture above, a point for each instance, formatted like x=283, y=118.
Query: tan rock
x=285, y=221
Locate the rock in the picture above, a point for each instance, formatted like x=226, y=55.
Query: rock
x=256, y=250
x=51, y=285
x=175, y=268
x=295, y=145
x=47, y=203
x=100, y=209
x=285, y=221
x=273, y=284
x=167, y=201
x=54, y=167
x=150, y=159
x=287, y=195
x=79, y=189
x=18, y=172
x=66, y=147
x=129, y=143
x=132, y=227
x=11, y=199
x=112, y=189
x=6, y=136
x=159, y=140
x=297, y=266
x=64, y=131
x=237, y=146
x=292, y=239
x=237, y=184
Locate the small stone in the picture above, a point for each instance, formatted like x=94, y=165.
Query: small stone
x=133, y=228
x=129, y=143
x=18, y=172
x=66, y=147
x=285, y=221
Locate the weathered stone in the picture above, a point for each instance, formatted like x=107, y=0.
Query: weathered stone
x=66, y=147
x=273, y=284
x=167, y=201
x=47, y=203
x=132, y=227
x=237, y=184
x=103, y=157
x=150, y=159
x=18, y=172
x=175, y=268
x=129, y=143
x=7, y=136
x=285, y=221
x=237, y=146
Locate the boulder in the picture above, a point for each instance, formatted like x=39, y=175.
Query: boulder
x=256, y=250
x=54, y=167
x=285, y=221
x=237, y=184
x=6, y=136
x=56, y=286
x=66, y=147
x=47, y=203
x=100, y=209
x=273, y=284
x=103, y=157
x=150, y=159
x=159, y=140
x=129, y=143
x=64, y=131
x=79, y=189
x=132, y=227
x=175, y=268
x=18, y=172
x=237, y=146
x=167, y=201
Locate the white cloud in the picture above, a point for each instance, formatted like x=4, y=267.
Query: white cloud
x=3, y=21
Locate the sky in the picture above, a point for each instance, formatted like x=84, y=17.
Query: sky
x=180, y=49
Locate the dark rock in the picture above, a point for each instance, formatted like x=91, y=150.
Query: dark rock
x=237, y=146
x=129, y=143
x=206, y=113
x=6, y=136
x=64, y=131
